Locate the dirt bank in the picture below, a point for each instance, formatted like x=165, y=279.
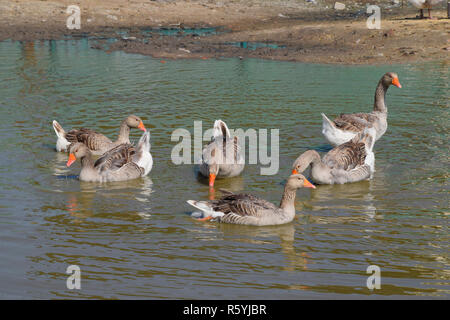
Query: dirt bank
x=304, y=31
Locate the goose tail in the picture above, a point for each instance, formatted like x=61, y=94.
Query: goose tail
x=143, y=158
x=61, y=143
x=60, y=133
x=327, y=122
x=221, y=129
x=205, y=208
x=144, y=142
x=368, y=137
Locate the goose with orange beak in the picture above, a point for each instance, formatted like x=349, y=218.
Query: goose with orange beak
x=97, y=143
x=347, y=126
x=247, y=209
x=222, y=157
x=124, y=162
x=349, y=162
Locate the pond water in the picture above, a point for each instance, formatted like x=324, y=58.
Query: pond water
x=137, y=240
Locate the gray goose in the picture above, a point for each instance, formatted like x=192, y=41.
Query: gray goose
x=250, y=210
x=121, y=163
x=349, y=162
x=346, y=126
x=222, y=157
x=96, y=142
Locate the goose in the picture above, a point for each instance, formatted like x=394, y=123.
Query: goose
x=96, y=142
x=346, y=126
x=349, y=162
x=250, y=210
x=123, y=162
x=222, y=157
x=422, y=4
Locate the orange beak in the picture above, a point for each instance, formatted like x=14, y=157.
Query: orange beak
x=205, y=218
x=308, y=184
x=396, y=83
x=71, y=160
x=294, y=171
x=141, y=126
x=212, y=177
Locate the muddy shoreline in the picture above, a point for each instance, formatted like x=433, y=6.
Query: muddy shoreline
x=284, y=30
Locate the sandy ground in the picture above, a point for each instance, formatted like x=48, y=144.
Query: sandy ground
x=310, y=32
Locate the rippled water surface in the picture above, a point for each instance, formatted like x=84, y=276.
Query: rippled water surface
x=137, y=240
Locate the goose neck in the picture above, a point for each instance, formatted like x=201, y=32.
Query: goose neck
x=124, y=132
x=380, y=95
x=288, y=199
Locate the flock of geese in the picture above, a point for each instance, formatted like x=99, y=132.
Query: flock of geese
x=351, y=160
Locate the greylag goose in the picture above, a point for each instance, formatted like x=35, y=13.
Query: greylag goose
x=349, y=162
x=346, y=126
x=424, y=4
x=222, y=157
x=96, y=142
x=250, y=210
x=121, y=163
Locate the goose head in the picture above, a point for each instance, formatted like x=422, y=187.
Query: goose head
x=391, y=78
x=213, y=160
x=303, y=161
x=297, y=181
x=213, y=171
x=77, y=151
x=135, y=122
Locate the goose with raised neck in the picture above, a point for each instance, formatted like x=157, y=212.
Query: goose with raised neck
x=97, y=143
x=247, y=209
x=346, y=126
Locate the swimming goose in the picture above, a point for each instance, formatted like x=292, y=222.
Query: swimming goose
x=250, y=210
x=349, y=162
x=422, y=4
x=346, y=126
x=96, y=142
x=222, y=157
x=121, y=163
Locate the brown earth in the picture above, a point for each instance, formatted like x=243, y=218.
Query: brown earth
x=307, y=32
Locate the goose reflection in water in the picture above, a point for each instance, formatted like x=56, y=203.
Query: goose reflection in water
x=296, y=259
x=82, y=204
x=362, y=202
x=235, y=185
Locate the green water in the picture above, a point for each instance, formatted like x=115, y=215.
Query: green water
x=137, y=240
